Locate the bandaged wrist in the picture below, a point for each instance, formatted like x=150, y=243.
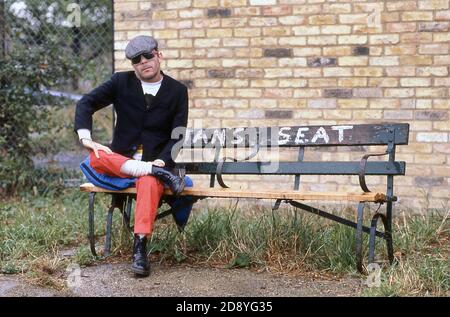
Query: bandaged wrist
x=84, y=134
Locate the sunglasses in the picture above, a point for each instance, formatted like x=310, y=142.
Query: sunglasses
x=137, y=59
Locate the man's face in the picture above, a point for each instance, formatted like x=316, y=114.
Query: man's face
x=148, y=68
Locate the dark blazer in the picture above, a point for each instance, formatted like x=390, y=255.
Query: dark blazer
x=136, y=122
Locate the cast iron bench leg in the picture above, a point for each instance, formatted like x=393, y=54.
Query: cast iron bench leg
x=387, y=236
x=91, y=223
x=359, y=230
x=109, y=218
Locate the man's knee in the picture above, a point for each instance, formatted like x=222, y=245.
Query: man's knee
x=149, y=180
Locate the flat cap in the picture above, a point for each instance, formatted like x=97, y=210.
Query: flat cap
x=140, y=44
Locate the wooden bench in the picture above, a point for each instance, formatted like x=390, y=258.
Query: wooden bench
x=299, y=138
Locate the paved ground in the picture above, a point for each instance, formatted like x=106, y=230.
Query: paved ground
x=185, y=281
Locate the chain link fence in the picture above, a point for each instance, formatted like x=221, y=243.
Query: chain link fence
x=51, y=52
x=80, y=30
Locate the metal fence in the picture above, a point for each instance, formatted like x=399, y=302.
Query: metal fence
x=80, y=31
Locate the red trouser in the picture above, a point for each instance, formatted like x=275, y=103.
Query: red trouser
x=149, y=189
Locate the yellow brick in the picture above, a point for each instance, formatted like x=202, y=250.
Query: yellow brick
x=336, y=29
x=338, y=114
x=247, y=32
x=321, y=19
x=293, y=83
x=352, y=39
x=352, y=103
x=235, y=62
x=221, y=113
x=180, y=63
x=249, y=93
x=433, y=4
x=277, y=72
x=178, y=4
x=263, y=62
x=307, y=72
x=441, y=103
x=221, y=93
x=384, y=39
x=207, y=43
x=337, y=71
x=277, y=93
x=207, y=23
x=235, y=103
x=337, y=51
x=352, y=82
x=263, y=103
x=322, y=40
x=208, y=63
x=264, y=41
x=249, y=52
x=276, y=31
x=429, y=158
x=179, y=43
x=128, y=6
x=309, y=114
x=383, y=82
x=192, y=13
x=235, y=83
x=235, y=42
x=309, y=51
x=165, y=15
x=292, y=103
x=400, y=50
x=306, y=30
x=233, y=3
x=205, y=3
x=368, y=71
x=165, y=34
x=417, y=16
x=367, y=114
x=261, y=83
x=415, y=82
x=219, y=33
x=442, y=125
x=353, y=61
x=234, y=22
x=306, y=9
x=353, y=18
x=431, y=92
x=322, y=82
x=384, y=61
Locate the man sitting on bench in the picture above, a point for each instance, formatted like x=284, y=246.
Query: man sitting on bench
x=149, y=105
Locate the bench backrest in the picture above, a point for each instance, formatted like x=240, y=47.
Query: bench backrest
x=285, y=136
x=300, y=137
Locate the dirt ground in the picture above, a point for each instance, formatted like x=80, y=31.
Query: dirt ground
x=183, y=281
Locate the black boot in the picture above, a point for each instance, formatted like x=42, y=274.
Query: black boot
x=141, y=265
x=175, y=182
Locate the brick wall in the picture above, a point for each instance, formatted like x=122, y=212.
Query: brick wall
x=300, y=62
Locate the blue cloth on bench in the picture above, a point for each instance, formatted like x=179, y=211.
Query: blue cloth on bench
x=181, y=206
x=105, y=181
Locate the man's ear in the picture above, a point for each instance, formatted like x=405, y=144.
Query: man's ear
x=160, y=55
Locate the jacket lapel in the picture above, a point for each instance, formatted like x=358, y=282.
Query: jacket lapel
x=136, y=90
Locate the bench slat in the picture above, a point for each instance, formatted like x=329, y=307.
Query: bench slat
x=291, y=136
x=272, y=194
x=290, y=168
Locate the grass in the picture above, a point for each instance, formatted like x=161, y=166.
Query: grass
x=34, y=229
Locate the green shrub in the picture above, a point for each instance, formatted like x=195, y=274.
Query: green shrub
x=25, y=108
